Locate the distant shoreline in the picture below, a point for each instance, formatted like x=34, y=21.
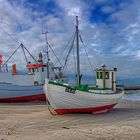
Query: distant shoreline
x=132, y=87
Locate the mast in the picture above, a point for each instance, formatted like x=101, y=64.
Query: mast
x=78, y=57
x=47, y=52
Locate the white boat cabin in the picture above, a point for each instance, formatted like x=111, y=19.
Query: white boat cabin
x=106, y=78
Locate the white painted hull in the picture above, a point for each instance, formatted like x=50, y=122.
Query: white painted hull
x=64, y=102
x=18, y=93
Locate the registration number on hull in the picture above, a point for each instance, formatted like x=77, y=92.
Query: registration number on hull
x=70, y=90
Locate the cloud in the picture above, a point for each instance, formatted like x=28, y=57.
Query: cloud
x=110, y=31
x=74, y=11
x=107, y=9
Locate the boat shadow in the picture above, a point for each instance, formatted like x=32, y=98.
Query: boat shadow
x=23, y=103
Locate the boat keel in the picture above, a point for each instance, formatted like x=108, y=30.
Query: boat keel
x=95, y=110
x=39, y=97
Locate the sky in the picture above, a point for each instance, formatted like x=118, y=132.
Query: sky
x=110, y=30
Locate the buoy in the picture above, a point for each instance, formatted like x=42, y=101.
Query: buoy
x=14, y=69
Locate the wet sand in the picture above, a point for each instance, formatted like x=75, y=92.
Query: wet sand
x=34, y=122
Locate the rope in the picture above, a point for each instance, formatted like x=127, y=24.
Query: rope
x=48, y=105
x=61, y=54
x=86, y=54
x=66, y=65
x=55, y=54
x=69, y=53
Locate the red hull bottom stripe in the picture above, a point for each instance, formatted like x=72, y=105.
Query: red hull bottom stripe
x=85, y=110
x=39, y=97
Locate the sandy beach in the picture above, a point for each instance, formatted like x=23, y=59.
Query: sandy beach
x=34, y=122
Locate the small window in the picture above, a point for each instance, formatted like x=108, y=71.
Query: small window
x=101, y=75
x=36, y=70
x=30, y=70
x=33, y=70
x=106, y=75
x=97, y=75
x=42, y=69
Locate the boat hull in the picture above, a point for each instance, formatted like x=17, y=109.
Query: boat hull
x=16, y=93
x=65, y=102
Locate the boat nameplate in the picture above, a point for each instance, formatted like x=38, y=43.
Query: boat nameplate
x=70, y=90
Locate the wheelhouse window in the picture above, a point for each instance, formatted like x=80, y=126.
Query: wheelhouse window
x=101, y=75
x=97, y=75
x=106, y=75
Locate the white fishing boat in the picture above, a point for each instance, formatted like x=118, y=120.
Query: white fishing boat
x=65, y=98
x=16, y=87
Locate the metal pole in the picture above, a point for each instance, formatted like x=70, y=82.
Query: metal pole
x=30, y=53
x=78, y=57
x=24, y=53
x=104, y=75
x=11, y=55
x=47, y=52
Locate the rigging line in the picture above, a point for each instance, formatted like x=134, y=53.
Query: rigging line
x=53, y=113
x=74, y=60
x=53, y=71
x=55, y=55
x=30, y=54
x=11, y=55
x=64, y=49
x=10, y=36
x=69, y=52
x=64, y=70
x=86, y=53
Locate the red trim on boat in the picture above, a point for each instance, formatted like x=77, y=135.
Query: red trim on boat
x=1, y=59
x=85, y=110
x=39, y=97
x=30, y=66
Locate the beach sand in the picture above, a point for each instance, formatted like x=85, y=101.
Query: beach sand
x=34, y=122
